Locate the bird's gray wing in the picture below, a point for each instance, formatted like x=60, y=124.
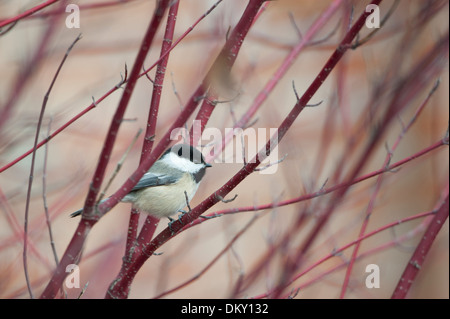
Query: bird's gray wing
x=148, y=180
x=154, y=179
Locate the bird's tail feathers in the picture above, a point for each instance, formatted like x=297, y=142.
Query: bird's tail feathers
x=78, y=212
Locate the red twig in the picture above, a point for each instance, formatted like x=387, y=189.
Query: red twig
x=154, y=104
x=418, y=258
x=27, y=13
x=84, y=7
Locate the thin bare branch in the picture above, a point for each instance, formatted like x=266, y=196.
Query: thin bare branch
x=44, y=198
x=31, y=177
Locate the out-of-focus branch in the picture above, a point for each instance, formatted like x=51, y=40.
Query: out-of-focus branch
x=27, y=13
x=422, y=249
x=379, y=182
x=220, y=71
x=278, y=75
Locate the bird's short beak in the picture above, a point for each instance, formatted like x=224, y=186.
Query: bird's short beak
x=208, y=165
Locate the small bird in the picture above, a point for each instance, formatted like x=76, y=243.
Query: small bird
x=170, y=184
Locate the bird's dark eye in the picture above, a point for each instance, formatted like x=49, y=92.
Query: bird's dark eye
x=180, y=151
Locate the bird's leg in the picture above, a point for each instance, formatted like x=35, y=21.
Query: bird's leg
x=171, y=221
x=182, y=211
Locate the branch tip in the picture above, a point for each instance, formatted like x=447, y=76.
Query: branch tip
x=223, y=200
x=256, y=169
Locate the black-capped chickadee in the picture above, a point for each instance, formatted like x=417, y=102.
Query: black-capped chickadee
x=162, y=191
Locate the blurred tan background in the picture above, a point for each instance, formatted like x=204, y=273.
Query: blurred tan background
x=111, y=37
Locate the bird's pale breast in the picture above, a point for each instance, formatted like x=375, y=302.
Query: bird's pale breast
x=166, y=200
